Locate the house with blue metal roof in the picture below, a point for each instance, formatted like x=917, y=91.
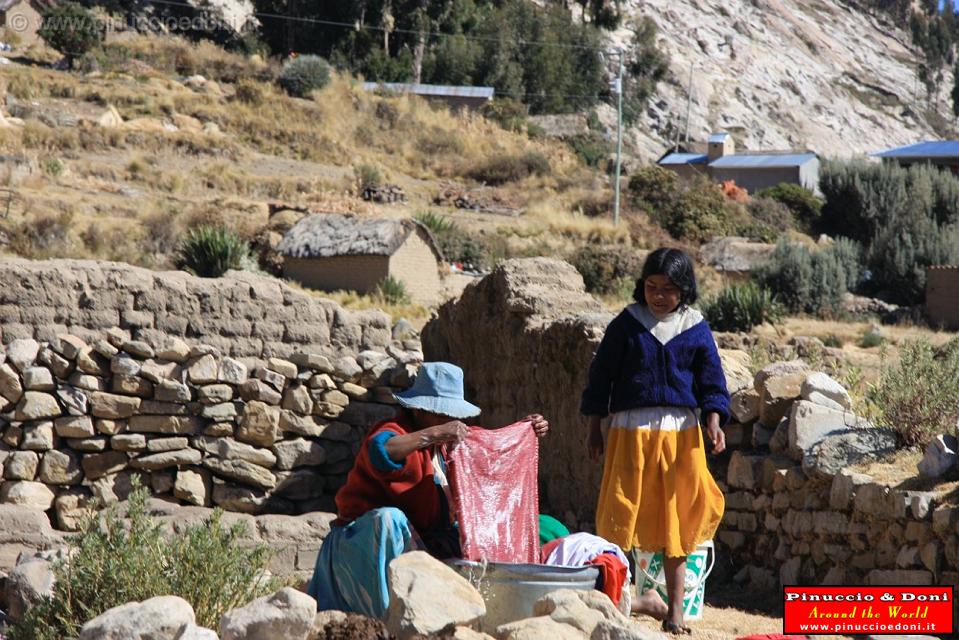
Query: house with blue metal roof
x=941, y=153
x=455, y=97
x=751, y=171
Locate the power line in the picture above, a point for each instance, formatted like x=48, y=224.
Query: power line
x=433, y=34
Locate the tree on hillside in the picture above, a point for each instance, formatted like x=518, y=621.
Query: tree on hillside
x=71, y=29
x=538, y=54
x=646, y=66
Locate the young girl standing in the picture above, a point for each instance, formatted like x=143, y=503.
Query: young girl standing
x=655, y=367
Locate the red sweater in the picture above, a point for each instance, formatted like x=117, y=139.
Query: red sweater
x=412, y=488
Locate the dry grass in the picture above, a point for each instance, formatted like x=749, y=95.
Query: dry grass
x=272, y=148
x=850, y=333
x=416, y=314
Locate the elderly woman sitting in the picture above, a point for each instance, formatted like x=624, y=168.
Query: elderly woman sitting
x=396, y=497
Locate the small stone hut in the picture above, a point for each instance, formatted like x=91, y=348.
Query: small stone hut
x=345, y=252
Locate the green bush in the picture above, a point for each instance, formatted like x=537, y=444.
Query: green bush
x=367, y=176
x=71, y=29
x=806, y=208
x=872, y=338
x=592, y=149
x=741, y=307
x=461, y=248
x=112, y=562
x=907, y=219
x=604, y=269
x=926, y=407
x=508, y=113
x=436, y=223
x=653, y=187
x=699, y=214
x=769, y=218
x=456, y=245
x=812, y=281
x=392, y=291
x=694, y=210
x=52, y=166
x=304, y=74
x=502, y=169
x=209, y=252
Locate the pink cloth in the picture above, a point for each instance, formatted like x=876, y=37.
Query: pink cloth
x=495, y=494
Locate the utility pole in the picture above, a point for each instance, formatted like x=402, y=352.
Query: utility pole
x=689, y=102
x=619, y=130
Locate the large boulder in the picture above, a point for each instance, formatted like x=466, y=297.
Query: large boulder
x=736, y=365
x=781, y=368
x=35, y=495
x=939, y=457
x=777, y=394
x=583, y=610
x=809, y=423
x=26, y=584
x=286, y=614
x=838, y=451
x=734, y=255
x=820, y=388
x=159, y=618
x=537, y=629
x=416, y=580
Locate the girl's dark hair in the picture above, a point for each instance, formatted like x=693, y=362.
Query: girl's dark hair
x=675, y=265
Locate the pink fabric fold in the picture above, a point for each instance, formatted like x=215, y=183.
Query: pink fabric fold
x=493, y=477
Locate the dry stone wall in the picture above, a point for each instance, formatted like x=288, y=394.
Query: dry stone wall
x=202, y=417
x=798, y=512
x=80, y=421
x=243, y=315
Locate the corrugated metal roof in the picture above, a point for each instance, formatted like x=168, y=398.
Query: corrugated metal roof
x=924, y=149
x=684, y=158
x=718, y=137
x=762, y=160
x=431, y=89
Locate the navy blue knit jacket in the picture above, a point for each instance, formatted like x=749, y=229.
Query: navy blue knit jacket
x=633, y=369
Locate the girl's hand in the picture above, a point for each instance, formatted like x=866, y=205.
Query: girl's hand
x=594, y=439
x=715, y=433
x=540, y=425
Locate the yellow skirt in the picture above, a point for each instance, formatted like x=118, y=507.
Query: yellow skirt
x=657, y=492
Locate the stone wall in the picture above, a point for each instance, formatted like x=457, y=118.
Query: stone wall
x=80, y=421
x=241, y=314
x=797, y=510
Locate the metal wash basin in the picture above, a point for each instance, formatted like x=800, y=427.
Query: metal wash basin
x=511, y=590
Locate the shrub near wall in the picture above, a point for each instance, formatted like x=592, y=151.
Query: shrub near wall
x=80, y=420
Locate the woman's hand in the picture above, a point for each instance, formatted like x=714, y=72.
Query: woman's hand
x=715, y=433
x=540, y=425
x=594, y=439
x=452, y=432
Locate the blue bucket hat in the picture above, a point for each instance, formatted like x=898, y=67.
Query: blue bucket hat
x=438, y=388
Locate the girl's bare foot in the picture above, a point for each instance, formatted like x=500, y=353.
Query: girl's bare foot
x=676, y=628
x=650, y=604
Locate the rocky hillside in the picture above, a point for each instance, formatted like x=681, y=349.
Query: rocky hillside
x=816, y=74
